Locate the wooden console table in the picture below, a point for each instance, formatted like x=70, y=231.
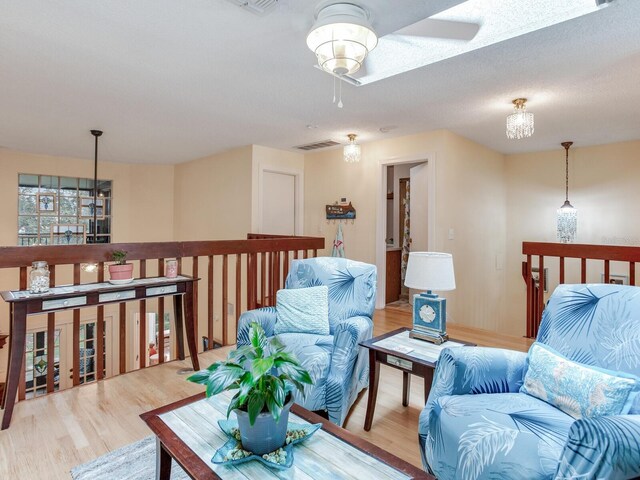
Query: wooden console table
x=69, y=297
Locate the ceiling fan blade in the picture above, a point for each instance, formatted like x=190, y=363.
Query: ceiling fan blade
x=448, y=29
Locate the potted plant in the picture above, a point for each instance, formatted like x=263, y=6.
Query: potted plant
x=265, y=377
x=121, y=271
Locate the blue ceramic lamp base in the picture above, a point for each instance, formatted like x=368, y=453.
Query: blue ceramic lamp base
x=429, y=318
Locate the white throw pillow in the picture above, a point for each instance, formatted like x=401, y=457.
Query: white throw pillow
x=303, y=310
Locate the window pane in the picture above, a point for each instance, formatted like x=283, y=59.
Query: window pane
x=25, y=180
x=49, y=184
x=27, y=225
x=26, y=204
x=68, y=186
x=68, y=205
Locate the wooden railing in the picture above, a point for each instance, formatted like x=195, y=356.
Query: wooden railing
x=254, y=269
x=591, y=264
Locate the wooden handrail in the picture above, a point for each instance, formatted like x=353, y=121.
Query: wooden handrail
x=585, y=252
x=245, y=274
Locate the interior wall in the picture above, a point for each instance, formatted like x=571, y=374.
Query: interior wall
x=603, y=186
x=470, y=192
x=147, y=187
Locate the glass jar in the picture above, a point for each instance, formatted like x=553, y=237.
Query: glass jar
x=171, y=269
x=39, y=277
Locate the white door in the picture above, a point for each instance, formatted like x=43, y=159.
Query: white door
x=278, y=203
x=418, y=185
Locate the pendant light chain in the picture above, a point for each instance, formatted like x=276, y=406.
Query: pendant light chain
x=566, y=146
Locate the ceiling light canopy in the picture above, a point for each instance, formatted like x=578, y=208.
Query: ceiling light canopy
x=341, y=38
x=520, y=122
x=352, y=151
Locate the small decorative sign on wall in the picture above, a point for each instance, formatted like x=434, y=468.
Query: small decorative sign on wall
x=340, y=212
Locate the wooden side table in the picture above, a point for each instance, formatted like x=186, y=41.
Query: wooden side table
x=412, y=356
x=69, y=297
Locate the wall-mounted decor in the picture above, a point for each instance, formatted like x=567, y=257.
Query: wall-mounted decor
x=67, y=234
x=47, y=203
x=86, y=207
x=616, y=279
x=340, y=212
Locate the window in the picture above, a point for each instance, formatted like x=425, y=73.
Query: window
x=60, y=210
x=37, y=363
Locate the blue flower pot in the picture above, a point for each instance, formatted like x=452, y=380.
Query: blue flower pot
x=265, y=435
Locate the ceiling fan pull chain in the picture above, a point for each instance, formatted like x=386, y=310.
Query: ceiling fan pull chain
x=340, y=94
x=334, y=89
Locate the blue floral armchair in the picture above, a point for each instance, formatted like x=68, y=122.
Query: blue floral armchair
x=477, y=425
x=337, y=364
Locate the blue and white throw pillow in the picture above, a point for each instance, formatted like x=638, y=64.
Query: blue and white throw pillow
x=580, y=390
x=302, y=310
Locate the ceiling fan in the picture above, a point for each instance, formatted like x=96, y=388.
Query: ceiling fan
x=345, y=34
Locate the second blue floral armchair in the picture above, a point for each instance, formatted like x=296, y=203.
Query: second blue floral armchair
x=477, y=424
x=337, y=364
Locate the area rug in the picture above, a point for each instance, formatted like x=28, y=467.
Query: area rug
x=136, y=461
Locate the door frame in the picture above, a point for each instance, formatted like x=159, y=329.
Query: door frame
x=299, y=196
x=381, y=222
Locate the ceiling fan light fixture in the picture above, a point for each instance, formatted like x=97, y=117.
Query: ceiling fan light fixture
x=341, y=38
x=352, y=151
x=520, y=124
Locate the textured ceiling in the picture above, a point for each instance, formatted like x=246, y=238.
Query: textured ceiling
x=170, y=81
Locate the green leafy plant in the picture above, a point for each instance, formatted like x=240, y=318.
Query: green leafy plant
x=119, y=256
x=263, y=374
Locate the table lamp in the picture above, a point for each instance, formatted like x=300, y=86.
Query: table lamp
x=430, y=271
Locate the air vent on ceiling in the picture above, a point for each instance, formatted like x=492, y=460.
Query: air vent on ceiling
x=317, y=145
x=259, y=7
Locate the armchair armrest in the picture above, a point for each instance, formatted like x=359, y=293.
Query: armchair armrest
x=265, y=317
x=602, y=447
x=347, y=359
x=471, y=370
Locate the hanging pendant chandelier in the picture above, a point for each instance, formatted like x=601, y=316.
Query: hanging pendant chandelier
x=567, y=214
x=520, y=123
x=352, y=151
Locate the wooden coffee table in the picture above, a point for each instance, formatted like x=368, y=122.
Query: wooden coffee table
x=187, y=432
x=420, y=361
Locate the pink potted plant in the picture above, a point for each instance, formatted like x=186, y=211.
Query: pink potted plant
x=121, y=271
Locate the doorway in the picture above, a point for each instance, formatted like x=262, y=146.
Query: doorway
x=406, y=204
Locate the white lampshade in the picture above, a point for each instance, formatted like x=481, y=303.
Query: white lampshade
x=430, y=271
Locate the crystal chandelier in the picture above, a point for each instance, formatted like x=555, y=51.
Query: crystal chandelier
x=520, y=122
x=341, y=38
x=567, y=215
x=352, y=151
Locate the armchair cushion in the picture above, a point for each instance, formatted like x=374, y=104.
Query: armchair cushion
x=315, y=354
x=577, y=389
x=503, y=435
x=302, y=310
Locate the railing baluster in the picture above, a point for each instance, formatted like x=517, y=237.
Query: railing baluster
x=632, y=273
x=210, y=315
x=583, y=270
x=263, y=279
x=606, y=271
x=540, y=294
x=561, y=269
x=76, y=331
x=99, y=355
x=238, y=289
x=225, y=297
x=51, y=337
x=122, y=326
x=143, y=320
x=194, y=274
x=529, y=280
x=285, y=266
x=161, y=263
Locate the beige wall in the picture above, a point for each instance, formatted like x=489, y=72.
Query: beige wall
x=213, y=196
x=603, y=186
x=470, y=198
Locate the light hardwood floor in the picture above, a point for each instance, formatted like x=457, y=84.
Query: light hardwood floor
x=50, y=435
